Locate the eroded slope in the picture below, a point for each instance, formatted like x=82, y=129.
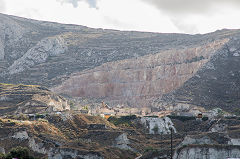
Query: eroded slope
x=16, y=99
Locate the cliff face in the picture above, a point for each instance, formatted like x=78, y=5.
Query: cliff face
x=204, y=148
x=139, y=81
x=158, y=125
x=120, y=67
x=213, y=152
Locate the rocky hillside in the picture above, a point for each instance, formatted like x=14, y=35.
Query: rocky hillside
x=120, y=67
x=29, y=99
x=216, y=84
x=62, y=137
x=70, y=135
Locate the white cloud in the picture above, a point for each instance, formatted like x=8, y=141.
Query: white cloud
x=2, y=5
x=130, y=14
x=52, y=10
x=134, y=15
x=186, y=7
x=200, y=16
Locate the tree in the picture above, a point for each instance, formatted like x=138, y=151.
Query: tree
x=155, y=129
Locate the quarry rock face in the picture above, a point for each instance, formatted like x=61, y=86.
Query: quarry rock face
x=137, y=69
x=216, y=84
x=138, y=81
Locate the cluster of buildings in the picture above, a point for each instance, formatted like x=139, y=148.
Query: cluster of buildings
x=105, y=111
x=193, y=111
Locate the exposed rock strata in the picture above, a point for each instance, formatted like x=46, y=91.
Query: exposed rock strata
x=38, y=54
x=161, y=125
x=211, y=152
x=205, y=147
x=139, y=81
x=122, y=142
x=214, y=85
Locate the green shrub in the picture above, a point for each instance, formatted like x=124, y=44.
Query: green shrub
x=150, y=149
x=152, y=116
x=155, y=129
x=71, y=104
x=10, y=122
x=39, y=116
x=128, y=117
x=205, y=118
x=182, y=118
x=2, y=156
x=123, y=120
x=20, y=153
x=237, y=111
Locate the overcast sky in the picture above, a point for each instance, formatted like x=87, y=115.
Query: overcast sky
x=179, y=16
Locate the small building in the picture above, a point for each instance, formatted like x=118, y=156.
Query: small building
x=106, y=115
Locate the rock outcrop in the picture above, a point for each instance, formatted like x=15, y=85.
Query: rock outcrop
x=204, y=147
x=211, y=152
x=52, y=152
x=122, y=142
x=38, y=54
x=158, y=125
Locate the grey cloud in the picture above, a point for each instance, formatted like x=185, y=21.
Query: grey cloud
x=190, y=6
x=2, y=6
x=180, y=10
x=92, y=3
